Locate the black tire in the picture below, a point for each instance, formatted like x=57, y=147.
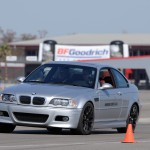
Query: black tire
x=6, y=128
x=134, y=113
x=54, y=130
x=86, y=120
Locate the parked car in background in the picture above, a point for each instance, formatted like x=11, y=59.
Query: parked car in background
x=70, y=95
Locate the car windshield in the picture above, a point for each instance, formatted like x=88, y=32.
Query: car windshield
x=64, y=74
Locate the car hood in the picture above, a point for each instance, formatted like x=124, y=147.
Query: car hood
x=47, y=90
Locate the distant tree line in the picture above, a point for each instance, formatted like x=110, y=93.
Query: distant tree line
x=7, y=36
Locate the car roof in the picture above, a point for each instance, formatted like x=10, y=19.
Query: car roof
x=90, y=64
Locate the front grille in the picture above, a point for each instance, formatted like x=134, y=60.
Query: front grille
x=28, y=117
x=38, y=101
x=25, y=99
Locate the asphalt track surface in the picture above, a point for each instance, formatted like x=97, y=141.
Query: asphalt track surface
x=27, y=138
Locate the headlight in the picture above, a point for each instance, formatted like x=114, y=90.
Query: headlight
x=63, y=102
x=8, y=98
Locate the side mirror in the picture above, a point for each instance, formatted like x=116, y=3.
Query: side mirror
x=20, y=79
x=106, y=86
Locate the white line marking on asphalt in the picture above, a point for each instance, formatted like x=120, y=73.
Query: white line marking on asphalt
x=146, y=103
x=41, y=145
x=70, y=144
x=144, y=120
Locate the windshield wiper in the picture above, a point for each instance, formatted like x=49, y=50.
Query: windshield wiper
x=34, y=81
x=60, y=83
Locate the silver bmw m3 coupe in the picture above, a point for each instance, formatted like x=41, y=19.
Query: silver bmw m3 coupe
x=71, y=95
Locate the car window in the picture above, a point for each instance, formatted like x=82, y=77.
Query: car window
x=121, y=82
x=39, y=74
x=105, y=76
x=64, y=74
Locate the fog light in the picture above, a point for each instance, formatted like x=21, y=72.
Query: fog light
x=62, y=118
x=65, y=118
x=4, y=113
x=1, y=113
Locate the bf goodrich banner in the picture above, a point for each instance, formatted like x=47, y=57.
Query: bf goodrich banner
x=76, y=53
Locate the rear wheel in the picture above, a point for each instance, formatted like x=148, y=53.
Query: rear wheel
x=6, y=128
x=85, y=124
x=134, y=113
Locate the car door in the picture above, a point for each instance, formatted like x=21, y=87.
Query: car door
x=123, y=86
x=110, y=98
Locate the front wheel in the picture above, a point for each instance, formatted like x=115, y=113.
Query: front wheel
x=134, y=113
x=6, y=128
x=86, y=120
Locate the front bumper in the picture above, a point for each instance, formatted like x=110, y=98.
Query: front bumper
x=33, y=116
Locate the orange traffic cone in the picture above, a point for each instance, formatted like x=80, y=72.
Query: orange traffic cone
x=129, y=137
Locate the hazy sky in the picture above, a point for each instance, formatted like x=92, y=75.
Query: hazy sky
x=61, y=17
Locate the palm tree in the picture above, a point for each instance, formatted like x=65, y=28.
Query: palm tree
x=5, y=51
